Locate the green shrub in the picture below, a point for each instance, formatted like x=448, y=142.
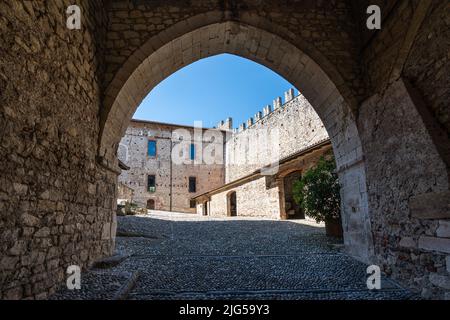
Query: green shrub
x=317, y=192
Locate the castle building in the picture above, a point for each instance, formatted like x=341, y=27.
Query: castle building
x=165, y=163
x=223, y=171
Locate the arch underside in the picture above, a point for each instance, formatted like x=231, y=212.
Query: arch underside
x=333, y=105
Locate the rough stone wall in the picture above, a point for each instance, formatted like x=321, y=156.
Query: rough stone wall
x=288, y=129
x=171, y=178
x=56, y=204
x=253, y=199
x=207, y=176
x=262, y=196
x=124, y=193
x=390, y=122
x=50, y=98
x=133, y=152
x=328, y=24
x=380, y=56
x=320, y=83
x=360, y=15
x=407, y=59
x=426, y=64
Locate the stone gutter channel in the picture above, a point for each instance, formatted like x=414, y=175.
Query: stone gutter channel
x=132, y=278
x=126, y=288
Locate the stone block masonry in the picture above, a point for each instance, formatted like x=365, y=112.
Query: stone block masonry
x=67, y=96
x=253, y=199
x=290, y=128
x=57, y=205
x=171, y=192
x=412, y=177
x=434, y=244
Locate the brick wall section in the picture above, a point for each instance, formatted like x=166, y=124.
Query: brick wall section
x=56, y=204
x=170, y=176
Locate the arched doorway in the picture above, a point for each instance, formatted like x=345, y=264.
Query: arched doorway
x=151, y=204
x=293, y=210
x=400, y=175
x=232, y=204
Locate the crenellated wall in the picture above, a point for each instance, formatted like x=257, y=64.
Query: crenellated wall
x=277, y=132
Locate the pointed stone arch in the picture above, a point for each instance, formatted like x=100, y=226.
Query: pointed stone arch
x=316, y=78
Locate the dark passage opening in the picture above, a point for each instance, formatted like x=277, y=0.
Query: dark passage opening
x=293, y=210
x=151, y=204
x=232, y=204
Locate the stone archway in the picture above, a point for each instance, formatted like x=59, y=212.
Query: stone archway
x=333, y=104
x=61, y=121
x=292, y=209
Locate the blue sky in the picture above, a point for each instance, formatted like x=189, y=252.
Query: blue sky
x=211, y=90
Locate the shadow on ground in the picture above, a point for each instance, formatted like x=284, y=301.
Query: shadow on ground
x=173, y=256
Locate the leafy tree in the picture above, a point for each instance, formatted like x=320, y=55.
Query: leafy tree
x=317, y=192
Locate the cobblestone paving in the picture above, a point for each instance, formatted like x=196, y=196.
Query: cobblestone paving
x=189, y=257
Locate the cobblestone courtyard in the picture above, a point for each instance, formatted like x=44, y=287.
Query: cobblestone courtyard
x=179, y=256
